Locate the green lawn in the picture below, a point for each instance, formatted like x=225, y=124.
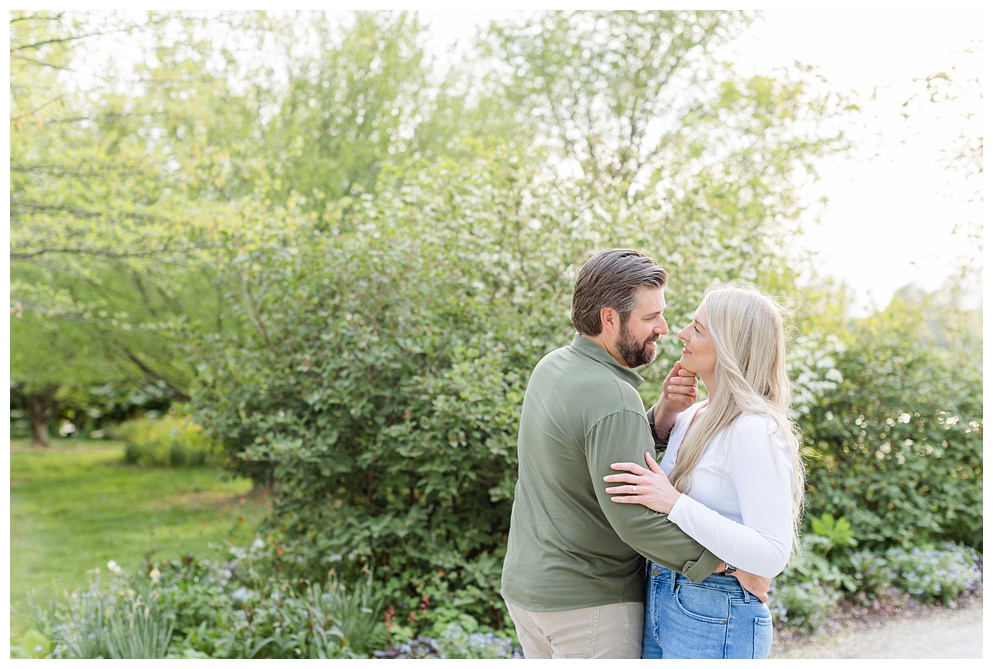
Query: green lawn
x=76, y=506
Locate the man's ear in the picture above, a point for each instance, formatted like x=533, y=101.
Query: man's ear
x=610, y=320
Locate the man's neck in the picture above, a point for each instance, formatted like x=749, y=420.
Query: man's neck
x=609, y=346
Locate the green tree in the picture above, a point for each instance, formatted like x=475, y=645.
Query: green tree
x=644, y=114
x=349, y=104
x=103, y=235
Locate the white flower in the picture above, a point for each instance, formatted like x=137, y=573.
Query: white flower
x=114, y=567
x=154, y=574
x=242, y=594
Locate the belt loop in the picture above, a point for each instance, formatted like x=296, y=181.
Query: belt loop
x=748, y=596
x=672, y=580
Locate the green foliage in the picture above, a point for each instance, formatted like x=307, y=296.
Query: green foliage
x=169, y=441
x=119, y=619
x=814, y=582
x=104, y=239
x=872, y=576
x=834, y=532
x=349, y=104
x=455, y=642
x=803, y=604
x=938, y=574
x=199, y=609
x=32, y=644
x=238, y=610
x=896, y=448
x=591, y=84
x=825, y=574
x=383, y=384
x=818, y=560
x=138, y=629
x=83, y=629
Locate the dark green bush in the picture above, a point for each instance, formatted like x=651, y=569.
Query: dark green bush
x=383, y=397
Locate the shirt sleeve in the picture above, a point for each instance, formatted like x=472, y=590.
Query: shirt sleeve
x=624, y=437
x=660, y=444
x=760, y=470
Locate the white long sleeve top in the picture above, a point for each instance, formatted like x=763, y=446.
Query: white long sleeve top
x=739, y=505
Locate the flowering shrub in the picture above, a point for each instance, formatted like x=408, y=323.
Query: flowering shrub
x=823, y=574
x=455, y=643
x=458, y=643
x=420, y=648
x=803, y=604
x=812, y=368
x=936, y=574
x=901, y=436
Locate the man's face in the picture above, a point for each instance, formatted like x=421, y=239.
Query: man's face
x=638, y=337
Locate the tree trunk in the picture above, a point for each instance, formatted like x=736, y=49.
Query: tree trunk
x=40, y=407
x=264, y=481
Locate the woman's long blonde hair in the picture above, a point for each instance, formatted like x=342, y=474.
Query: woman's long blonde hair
x=746, y=327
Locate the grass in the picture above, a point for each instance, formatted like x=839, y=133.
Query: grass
x=75, y=506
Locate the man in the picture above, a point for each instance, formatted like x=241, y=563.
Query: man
x=573, y=578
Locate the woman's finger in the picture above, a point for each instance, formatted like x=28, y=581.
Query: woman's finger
x=629, y=467
x=620, y=478
x=623, y=490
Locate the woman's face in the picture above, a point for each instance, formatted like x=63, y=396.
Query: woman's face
x=699, y=354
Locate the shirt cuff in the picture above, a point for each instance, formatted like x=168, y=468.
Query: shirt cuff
x=660, y=444
x=679, y=507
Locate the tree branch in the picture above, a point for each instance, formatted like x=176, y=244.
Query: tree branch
x=28, y=255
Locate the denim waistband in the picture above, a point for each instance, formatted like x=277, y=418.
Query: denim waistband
x=728, y=583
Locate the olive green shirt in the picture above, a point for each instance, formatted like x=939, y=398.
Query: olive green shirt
x=569, y=546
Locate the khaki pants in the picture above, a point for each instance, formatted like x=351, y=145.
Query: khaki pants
x=611, y=631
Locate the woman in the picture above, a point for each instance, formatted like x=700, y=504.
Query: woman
x=731, y=478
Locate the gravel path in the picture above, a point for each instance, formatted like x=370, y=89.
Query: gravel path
x=913, y=632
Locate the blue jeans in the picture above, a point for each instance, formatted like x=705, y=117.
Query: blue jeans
x=715, y=619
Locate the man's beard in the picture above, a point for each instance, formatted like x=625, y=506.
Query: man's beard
x=635, y=354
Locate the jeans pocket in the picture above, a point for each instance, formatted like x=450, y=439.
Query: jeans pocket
x=695, y=623
x=702, y=603
x=761, y=638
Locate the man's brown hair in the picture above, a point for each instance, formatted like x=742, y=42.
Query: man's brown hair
x=611, y=279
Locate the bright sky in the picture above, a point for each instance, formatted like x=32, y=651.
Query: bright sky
x=889, y=217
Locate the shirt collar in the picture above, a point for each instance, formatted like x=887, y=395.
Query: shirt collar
x=593, y=350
